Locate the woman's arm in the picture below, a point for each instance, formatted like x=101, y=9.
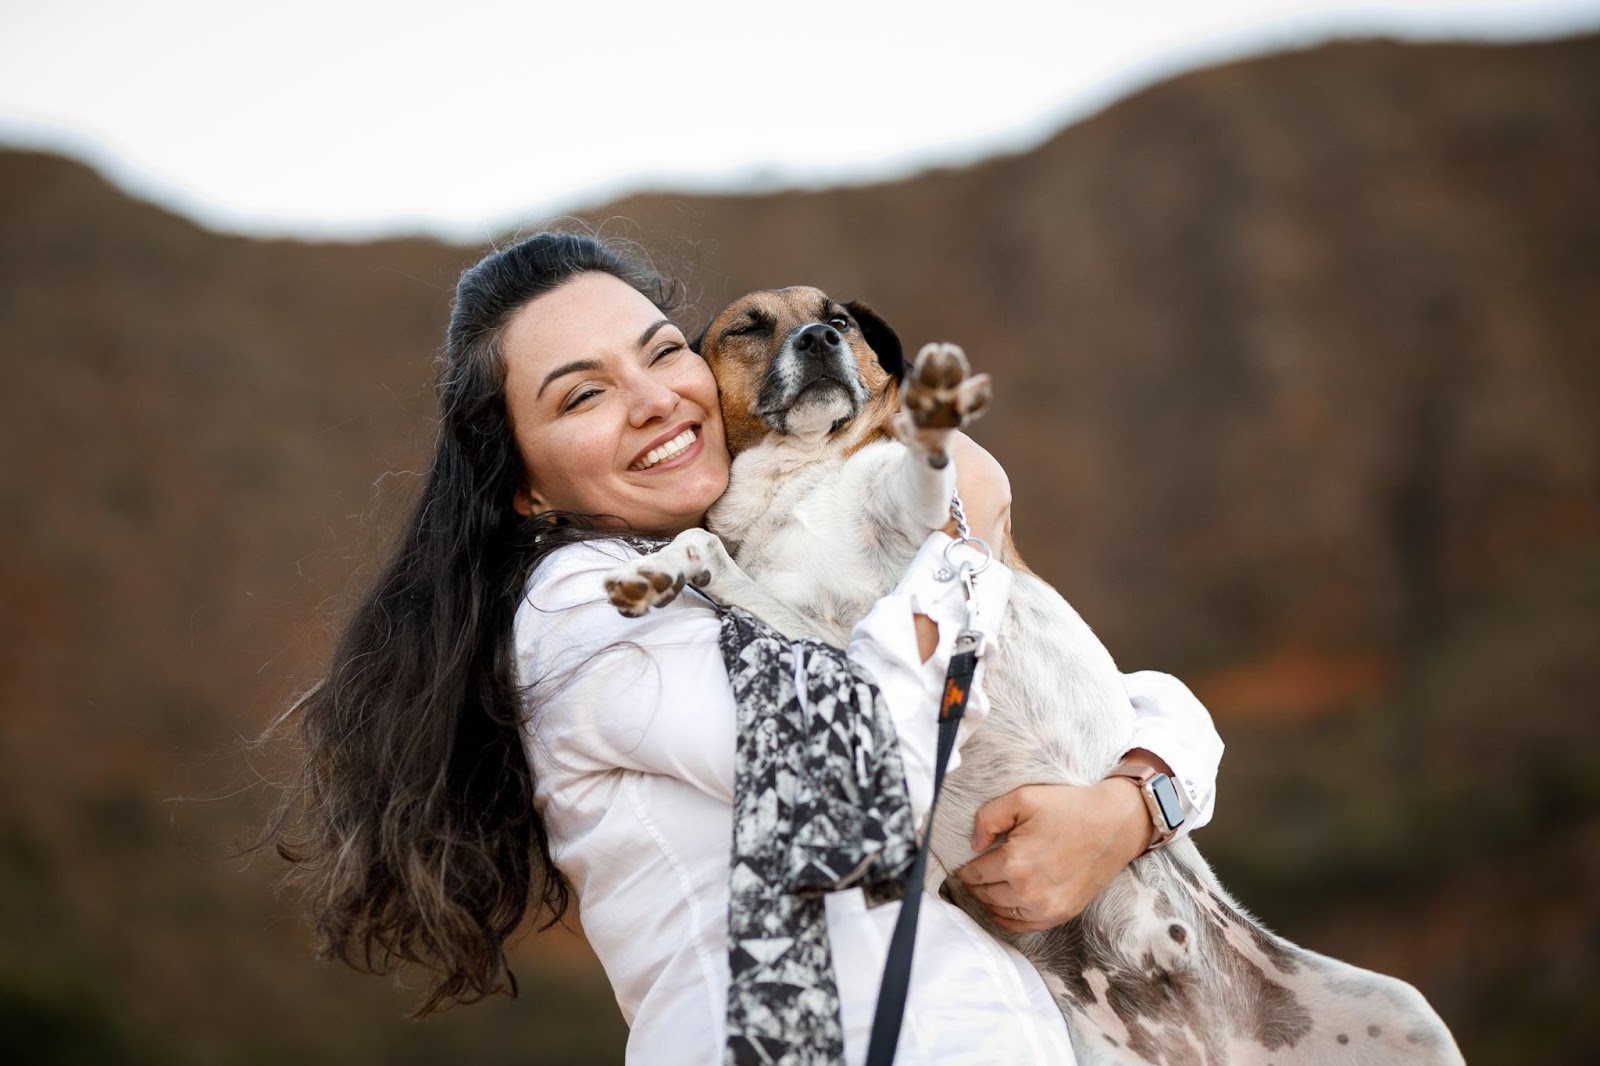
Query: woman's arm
x=1067, y=842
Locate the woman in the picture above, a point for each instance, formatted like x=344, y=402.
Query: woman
x=492, y=734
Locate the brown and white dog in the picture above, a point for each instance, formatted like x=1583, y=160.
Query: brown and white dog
x=839, y=474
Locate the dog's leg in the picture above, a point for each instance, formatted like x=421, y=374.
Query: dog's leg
x=1294, y=1006
x=941, y=395
x=1225, y=990
x=699, y=558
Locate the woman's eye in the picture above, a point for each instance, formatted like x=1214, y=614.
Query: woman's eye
x=839, y=322
x=579, y=397
x=670, y=349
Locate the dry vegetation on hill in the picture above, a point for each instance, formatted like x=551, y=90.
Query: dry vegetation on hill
x=1297, y=368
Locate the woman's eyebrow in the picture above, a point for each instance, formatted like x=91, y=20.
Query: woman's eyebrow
x=567, y=368
x=655, y=327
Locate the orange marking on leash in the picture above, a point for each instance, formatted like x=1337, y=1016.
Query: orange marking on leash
x=953, y=695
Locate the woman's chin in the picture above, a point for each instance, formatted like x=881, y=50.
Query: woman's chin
x=691, y=499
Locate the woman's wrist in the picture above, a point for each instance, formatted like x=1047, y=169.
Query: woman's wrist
x=1130, y=817
x=1141, y=818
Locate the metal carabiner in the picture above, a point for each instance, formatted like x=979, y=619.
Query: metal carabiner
x=955, y=568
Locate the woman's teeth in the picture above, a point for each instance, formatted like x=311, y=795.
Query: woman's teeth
x=667, y=450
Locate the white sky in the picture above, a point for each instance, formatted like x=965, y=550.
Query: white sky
x=338, y=119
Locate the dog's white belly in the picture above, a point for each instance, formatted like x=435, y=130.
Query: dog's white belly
x=798, y=565
x=810, y=531
x=1059, y=714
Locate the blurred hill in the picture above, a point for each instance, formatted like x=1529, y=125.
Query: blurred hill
x=1297, y=371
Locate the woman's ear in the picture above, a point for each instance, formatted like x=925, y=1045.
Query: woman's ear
x=525, y=503
x=882, y=340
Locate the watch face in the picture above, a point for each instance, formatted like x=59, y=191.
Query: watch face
x=1167, y=798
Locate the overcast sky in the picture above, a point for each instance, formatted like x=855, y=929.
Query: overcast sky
x=331, y=118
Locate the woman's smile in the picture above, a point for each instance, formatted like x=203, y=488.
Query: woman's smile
x=679, y=449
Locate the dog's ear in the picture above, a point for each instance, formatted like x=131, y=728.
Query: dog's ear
x=883, y=340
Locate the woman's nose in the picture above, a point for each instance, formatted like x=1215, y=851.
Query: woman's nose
x=652, y=399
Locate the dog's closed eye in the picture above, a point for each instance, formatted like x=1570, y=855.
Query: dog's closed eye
x=756, y=324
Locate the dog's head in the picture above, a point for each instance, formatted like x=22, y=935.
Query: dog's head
x=797, y=363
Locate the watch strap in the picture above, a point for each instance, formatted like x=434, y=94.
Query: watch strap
x=1161, y=833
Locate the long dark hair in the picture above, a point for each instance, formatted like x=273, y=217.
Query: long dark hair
x=410, y=820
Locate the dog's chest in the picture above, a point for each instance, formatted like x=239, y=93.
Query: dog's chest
x=797, y=528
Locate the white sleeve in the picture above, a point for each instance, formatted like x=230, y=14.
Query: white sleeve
x=1170, y=722
x=647, y=694
x=885, y=643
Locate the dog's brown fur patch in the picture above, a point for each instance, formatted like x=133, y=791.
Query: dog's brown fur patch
x=743, y=340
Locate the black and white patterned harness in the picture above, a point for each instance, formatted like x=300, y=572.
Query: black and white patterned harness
x=819, y=805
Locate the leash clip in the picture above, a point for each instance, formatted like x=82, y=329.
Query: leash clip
x=971, y=637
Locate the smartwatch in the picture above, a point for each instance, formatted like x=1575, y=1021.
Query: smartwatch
x=1160, y=798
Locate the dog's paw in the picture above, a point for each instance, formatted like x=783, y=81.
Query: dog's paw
x=942, y=392
x=638, y=586
x=940, y=396
x=656, y=579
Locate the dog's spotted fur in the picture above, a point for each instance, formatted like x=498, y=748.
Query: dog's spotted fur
x=837, y=479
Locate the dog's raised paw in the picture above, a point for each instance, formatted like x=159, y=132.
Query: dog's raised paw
x=941, y=391
x=638, y=586
x=941, y=394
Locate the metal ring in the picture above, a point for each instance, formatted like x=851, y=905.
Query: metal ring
x=976, y=542
x=1016, y=914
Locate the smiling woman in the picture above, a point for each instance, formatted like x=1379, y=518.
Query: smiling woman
x=411, y=820
x=613, y=414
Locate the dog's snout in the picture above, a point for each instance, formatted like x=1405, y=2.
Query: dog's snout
x=818, y=339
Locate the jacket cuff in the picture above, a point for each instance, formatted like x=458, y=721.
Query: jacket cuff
x=1172, y=724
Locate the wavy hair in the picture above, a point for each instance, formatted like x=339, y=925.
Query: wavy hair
x=409, y=821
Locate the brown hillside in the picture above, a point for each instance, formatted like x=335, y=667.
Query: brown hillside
x=1297, y=368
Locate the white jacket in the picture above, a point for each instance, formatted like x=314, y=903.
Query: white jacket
x=632, y=749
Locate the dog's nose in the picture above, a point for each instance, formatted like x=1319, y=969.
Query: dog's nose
x=818, y=339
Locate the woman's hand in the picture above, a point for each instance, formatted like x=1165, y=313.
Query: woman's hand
x=1065, y=844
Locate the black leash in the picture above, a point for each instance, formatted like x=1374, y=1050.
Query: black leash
x=897, y=968
x=952, y=705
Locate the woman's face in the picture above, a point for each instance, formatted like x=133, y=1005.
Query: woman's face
x=612, y=412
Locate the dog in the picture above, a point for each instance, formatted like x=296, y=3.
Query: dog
x=825, y=420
